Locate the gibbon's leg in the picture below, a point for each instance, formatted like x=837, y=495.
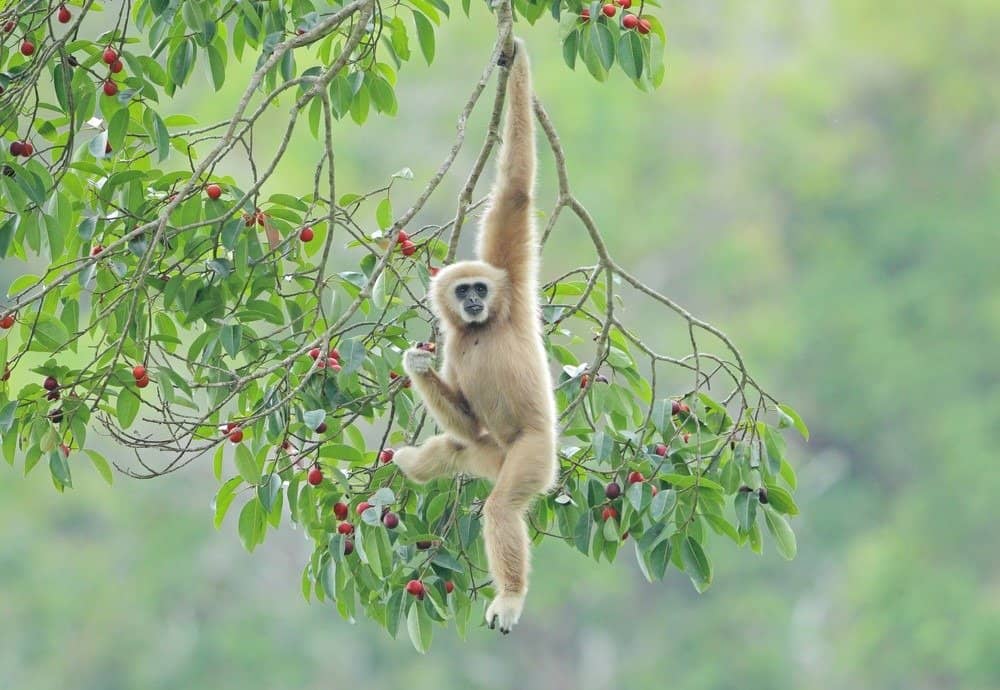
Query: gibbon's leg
x=442, y=455
x=507, y=238
x=528, y=469
x=446, y=406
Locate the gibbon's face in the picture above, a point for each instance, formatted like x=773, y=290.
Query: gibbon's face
x=470, y=294
x=472, y=300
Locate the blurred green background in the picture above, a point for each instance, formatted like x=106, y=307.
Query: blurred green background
x=820, y=179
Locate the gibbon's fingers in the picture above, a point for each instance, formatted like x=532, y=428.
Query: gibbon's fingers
x=416, y=362
x=442, y=455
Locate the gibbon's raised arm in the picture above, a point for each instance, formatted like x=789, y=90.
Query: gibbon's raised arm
x=507, y=238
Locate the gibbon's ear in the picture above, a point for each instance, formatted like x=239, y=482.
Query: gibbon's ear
x=442, y=290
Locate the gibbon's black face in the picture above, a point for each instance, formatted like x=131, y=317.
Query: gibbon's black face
x=473, y=301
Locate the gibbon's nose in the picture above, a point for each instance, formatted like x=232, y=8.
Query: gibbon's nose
x=474, y=308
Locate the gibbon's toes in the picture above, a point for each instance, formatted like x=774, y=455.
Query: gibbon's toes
x=504, y=612
x=417, y=361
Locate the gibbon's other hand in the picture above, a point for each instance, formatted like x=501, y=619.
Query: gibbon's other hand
x=505, y=59
x=417, y=361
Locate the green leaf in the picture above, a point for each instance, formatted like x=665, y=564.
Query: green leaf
x=602, y=44
x=246, y=464
x=662, y=504
x=127, y=407
x=268, y=490
x=603, y=446
x=781, y=500
x=383, y=214
x=231, y=337
x=696, y=564
x=60, y=470
x=161, y=136
x=253, y=523
x=352, y=355
x=419, y=625
x=784, y=537
x=795, y=419
x=425, y=35
x=224, y=498
x=571, y=47
x=746, y=510
x=630, y=53
x=101, y=465
x=50, y=334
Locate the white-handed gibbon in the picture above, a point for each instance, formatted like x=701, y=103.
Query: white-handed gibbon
x=493, y=395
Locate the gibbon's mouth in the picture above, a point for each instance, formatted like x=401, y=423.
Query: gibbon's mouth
x=474, y=318
x=474, y=309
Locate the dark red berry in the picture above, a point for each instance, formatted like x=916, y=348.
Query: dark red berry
x=50, y=383
x=613, y=490
x=386, y=455
x=390, y=520
x=660, y=449
x=415, y=587
x=110, y=88
x=315, y=476
x=27, y=48
x=16, y=148
x=635, y=477
x=63, y=16
x=609, y=10
x=424, y=545
x=340, y=510
x=116, y=66
x=109, y=55
x=362, y=507
x=321, y=429
x=644, y=26
x=345, y=528
x=213, y=191
x=630, y=21
x=348, y=547
x=307, y=234
x=408, y=248
x=236, y=435
x=449, y=586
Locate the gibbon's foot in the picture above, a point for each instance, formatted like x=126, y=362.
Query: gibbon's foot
x=506, y=60
x=504, y=611
x=416, y=361
x=405, y=459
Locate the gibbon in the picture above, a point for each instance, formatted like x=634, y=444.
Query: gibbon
x=493, y=395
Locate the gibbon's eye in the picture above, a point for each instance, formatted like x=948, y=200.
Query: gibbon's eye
x=480, y=289
x=461, y=291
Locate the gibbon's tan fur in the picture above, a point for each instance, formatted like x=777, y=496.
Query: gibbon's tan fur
x=493, y=396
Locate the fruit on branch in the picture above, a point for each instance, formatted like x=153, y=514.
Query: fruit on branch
x=390, y=520
x=402, y=237
x=608, y=513
x=27, y=148
x=16, y=148
x=660, y=449
x=143, y=382
x=249, y=219
x=110, y=88
x=585, y=14
x=635, y=477
x=333, y=365
x=56, y=415
x=321, y=429
x=334, y=353
x=340, y=510
x=96, y=250
x=7, y=321
x=315, y=476
x=9, y=26
x=236, y=435
x=762, y=495
x=624, y=3
x=307, y=234
x=50, y=383
x=424, y=545
x=678, y=407
x=613, y=490
x=433, y=271
x=109, y=55
x=63, y=15
x=116, y=66
x=449, y=586
x=362, y=507
x=314, y=353
x=584, y=380
x=386, y=455
x=609, y=10
x=345, y=528
x=27, y=48
x=644, y=26
x=630, y=21
x=348, y=547
x=416, y=588
x=408, y=248
x=213, y=191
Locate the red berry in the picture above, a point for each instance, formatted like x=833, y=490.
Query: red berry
x=584, y=380
x=315, y=476
x=230, y=426
x=362, y=507
x=340, y=510
x=96, y=250
x=321, y=364
x=110, y=88
x=415, y=587
x=402, y=237
x=249, y=219
x=64, y=16
x=613, y=490
x=321, y=429
x=424, y=545
x=334, y=354
x=433, y=271
x=635, y=477
x=348, y=547
x=16, y=148
x=142, y=382
x=307, y=234
x=116, y=66
x=609, y=513
x=27, y=48
x=236, y=435
x=644, y=26
x=333, y=363
x=9, y=26
x=260, y=218
x=408, y=248
x=630, y=21
x=390, y=520
x=393, y=375
x=345, y=528
x=314, y=353
x=214, y=191
x=27, y=148
x=625, y=3
x=609, y=10
x=660, y=450
x=585, y=14
x=7, y=321
x=50, y=383
x=386, y=455
x=138, y=371
x=684, y=409
x=53, y=395
x=109, y=55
